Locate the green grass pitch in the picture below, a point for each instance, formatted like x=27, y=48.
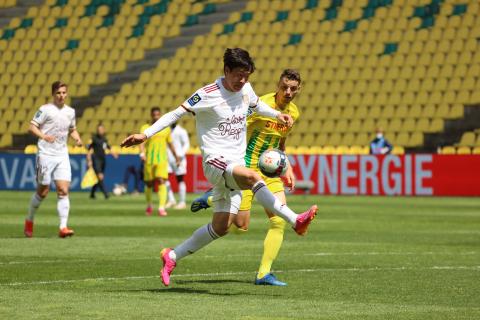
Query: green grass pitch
x=364, y=258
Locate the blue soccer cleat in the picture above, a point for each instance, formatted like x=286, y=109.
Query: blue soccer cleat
x=201, y=202
x=269, y=280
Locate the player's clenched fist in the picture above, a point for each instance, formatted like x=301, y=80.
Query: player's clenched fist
x=133, y=139
x=285, y=119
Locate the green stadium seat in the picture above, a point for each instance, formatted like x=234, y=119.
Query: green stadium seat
x=209, y=8
x=459, y=9
x=295, y=38
x=191, y=20
x=228, y=28
x=246, y=16
x=281, y=16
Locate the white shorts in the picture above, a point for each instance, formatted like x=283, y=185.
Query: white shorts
x=48, y=167
x=181, y=170
x=226, y=194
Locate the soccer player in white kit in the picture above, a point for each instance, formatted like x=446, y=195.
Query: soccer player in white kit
x=221, y=111
x=181, y=144
x=52, y=124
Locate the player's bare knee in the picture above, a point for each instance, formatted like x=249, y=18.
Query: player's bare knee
x=43, y=193
x=62, y=193
x=220, y=229
x=252, y=178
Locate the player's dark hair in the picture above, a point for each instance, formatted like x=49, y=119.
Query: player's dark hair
x=57, y=85
x=238, y=58
x=291, y=74
x=153, y=109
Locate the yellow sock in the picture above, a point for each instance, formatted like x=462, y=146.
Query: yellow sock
x=162, y=195
x=271, y=245
x=148, y=194
x=233, y=229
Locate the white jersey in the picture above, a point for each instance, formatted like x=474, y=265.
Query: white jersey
x=57, y=122
x=180, y=143
x=221, y=119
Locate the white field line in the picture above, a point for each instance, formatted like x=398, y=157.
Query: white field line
x=252, y=255
x=222, y=274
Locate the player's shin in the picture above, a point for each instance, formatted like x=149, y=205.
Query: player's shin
x=271, y=245
x=199, y=239
x=35, y=202
x=162, y=195
x=148, y=195
x=182, y=190
x=63, y=208
x=171, y=196
x=271, y=203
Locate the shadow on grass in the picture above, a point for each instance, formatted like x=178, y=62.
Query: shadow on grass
x=186, y=290
x=208, y=281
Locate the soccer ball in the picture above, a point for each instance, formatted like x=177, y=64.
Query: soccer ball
x=119, y=189
x=273, y=163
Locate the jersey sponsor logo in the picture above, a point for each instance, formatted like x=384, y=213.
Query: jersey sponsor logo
x=194, y=99
x=276, y=126
x=38, y=114
x=233, y=126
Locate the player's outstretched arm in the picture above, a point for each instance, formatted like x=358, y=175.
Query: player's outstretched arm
x=265, y=110
x=133, y=140
x=166, y=120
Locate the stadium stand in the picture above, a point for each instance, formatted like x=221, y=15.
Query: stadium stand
x=409, y=66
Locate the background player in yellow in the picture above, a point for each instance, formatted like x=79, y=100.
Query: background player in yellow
x=262, y=134
x=154, y=155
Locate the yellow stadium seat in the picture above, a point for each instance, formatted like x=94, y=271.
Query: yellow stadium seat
x=31, y=149
x=468, y=139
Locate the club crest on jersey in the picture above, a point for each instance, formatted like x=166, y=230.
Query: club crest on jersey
x=38, y=114
x=194, y=99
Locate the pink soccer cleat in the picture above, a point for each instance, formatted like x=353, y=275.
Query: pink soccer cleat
x=304, y=220
x=149, y=210
x=168, y=265
x=162, y=212
x=28, y=229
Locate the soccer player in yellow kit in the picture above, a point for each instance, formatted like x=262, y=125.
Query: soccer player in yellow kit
x=262, y=134
x=155, y=171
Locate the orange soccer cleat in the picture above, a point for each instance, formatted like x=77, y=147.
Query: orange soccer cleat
x=65, y=232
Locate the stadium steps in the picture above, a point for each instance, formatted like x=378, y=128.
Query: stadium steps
x=19, y=10
x=135, y=68
x=453, y=131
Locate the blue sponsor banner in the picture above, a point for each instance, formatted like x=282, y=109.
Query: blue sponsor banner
x=17, y=171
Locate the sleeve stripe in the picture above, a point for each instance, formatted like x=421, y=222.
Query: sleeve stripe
x=35, y=123
x=187, y=109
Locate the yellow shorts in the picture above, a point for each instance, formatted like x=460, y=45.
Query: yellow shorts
x=273, y=184
x=155, y=171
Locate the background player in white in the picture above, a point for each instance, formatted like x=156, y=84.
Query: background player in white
x=221, y=110
x=52, y=124
x=181, y=144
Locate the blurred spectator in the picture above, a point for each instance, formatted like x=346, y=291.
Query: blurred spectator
x=380, y=145
x=137, y=173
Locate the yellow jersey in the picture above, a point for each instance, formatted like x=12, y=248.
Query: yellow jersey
x=156, y=146
x=265, y=133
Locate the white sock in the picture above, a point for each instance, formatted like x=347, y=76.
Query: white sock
x=34, y=205
x=171, y=197
x=63, y=208
x=270, y=202
x=182, y=191
x=199, y=239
